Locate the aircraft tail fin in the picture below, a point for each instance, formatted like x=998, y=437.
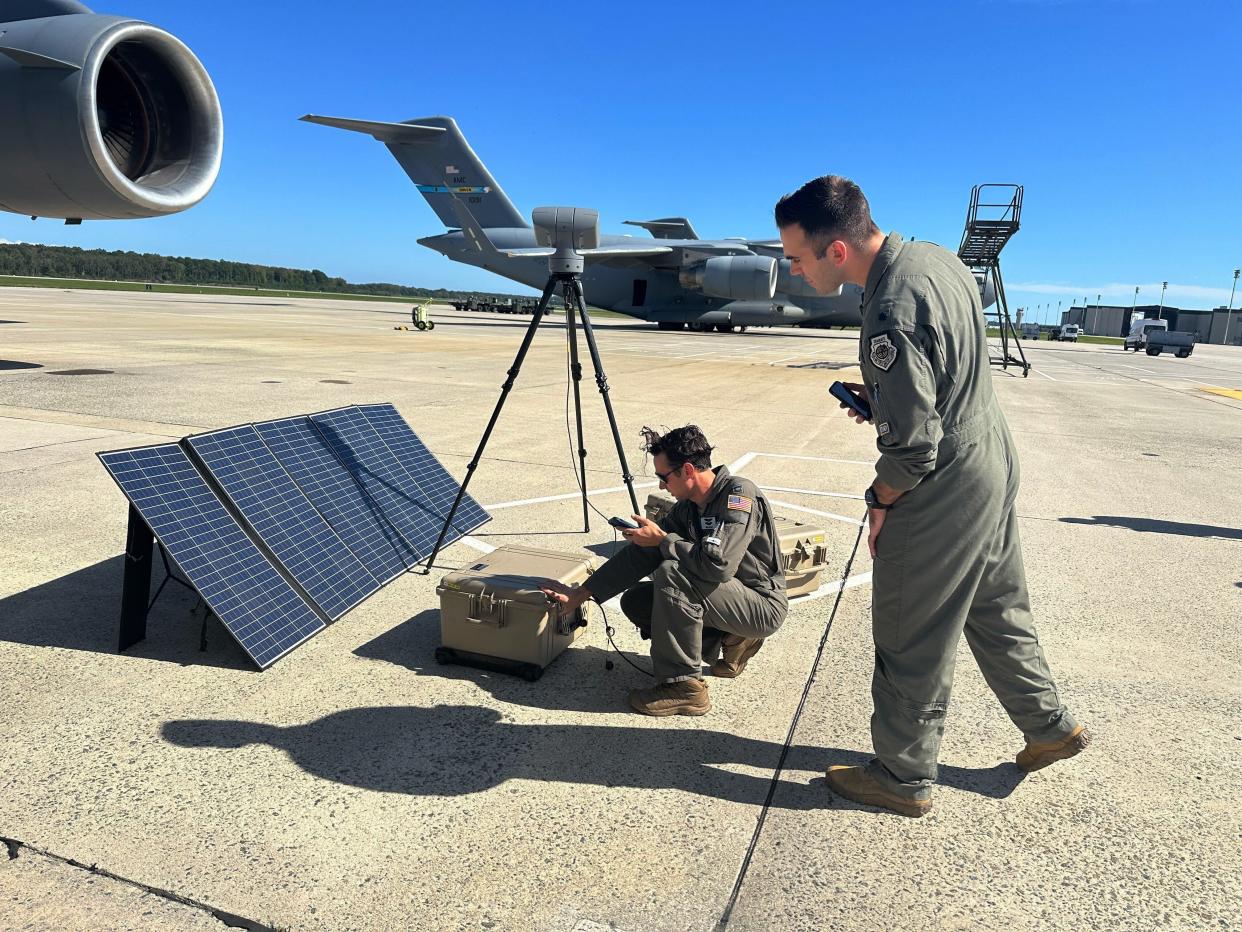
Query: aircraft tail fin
x=442, y=166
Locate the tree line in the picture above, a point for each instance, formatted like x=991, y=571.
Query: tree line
x=33, y=260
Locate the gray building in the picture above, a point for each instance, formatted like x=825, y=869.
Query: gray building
x=1110, y=320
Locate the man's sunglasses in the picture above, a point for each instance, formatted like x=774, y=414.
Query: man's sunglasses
x=664, y=475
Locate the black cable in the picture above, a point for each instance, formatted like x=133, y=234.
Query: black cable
x=609, y=631
x=793, y=725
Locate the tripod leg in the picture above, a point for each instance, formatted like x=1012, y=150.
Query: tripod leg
x=500, y=403
x=575, y=369
x=602, y=381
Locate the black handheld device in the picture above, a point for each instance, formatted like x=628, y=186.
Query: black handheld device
x=624, y=523
x=849, y=399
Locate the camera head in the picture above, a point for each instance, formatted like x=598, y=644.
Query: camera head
x=567, y=230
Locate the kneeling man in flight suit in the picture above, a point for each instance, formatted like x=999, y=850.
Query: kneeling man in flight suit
x=717, y=581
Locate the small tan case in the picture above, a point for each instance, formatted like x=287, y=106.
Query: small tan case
x=803, y=547
x=493, y=614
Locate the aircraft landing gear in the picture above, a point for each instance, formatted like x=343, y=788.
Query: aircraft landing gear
x=671, y=325
x=698, y=327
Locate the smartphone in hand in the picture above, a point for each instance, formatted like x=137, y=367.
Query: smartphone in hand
x=855, y=403
x=624, y=524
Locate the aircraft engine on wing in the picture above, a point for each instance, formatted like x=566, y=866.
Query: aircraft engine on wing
x=793, y=285
x=741, y=278
x=103, y=117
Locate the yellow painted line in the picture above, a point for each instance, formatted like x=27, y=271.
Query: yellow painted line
x=1234, y=393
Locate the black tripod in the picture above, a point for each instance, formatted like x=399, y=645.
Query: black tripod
x=575, y=307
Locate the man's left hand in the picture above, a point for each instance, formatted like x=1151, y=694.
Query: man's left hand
x=649, y=534
x=875, y=516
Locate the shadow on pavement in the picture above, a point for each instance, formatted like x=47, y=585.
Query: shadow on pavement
x=1157, y=526
x=577, y=681
x=455, y=750
x=11, y=364
x=80, y=611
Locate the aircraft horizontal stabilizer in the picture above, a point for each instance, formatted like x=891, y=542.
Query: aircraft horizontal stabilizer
x=384, y=132
x=666, y=227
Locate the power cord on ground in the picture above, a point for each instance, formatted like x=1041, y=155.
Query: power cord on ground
x=793, y=725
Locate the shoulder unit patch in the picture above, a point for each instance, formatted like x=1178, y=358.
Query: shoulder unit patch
x=740, y=503
x=883, y=352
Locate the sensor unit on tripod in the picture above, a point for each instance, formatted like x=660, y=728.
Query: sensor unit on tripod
x=568, y=230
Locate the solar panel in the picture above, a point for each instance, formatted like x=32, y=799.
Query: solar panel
x=373, y=466
x=240, y=585
x=433, y=480
x=285, y=521
x=357, y=519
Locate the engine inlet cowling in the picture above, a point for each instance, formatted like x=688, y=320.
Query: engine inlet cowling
x=104, y=118
x=741, y=278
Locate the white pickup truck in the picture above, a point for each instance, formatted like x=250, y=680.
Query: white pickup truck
x=1139, y=330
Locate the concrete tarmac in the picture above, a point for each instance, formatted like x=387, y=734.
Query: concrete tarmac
x=356, y=784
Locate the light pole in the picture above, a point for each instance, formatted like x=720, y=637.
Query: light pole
x=1229, y=313
x=1097, y=311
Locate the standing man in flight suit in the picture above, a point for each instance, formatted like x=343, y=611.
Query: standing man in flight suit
x=717, y=577
x=943, y=529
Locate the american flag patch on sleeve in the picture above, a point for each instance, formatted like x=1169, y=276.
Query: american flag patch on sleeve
x=740, y=503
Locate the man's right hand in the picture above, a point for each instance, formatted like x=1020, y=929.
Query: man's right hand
x=571, y=599
x=860, y=390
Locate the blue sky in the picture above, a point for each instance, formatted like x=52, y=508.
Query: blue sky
x=1122, y=119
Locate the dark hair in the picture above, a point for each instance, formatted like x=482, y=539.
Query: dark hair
x=827, y=209
x=680, y=445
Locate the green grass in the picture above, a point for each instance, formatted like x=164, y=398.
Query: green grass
x=1082, y=338
x=14, y=281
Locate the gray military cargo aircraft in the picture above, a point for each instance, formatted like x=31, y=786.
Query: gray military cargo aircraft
x=674, y=280
x=101, y=117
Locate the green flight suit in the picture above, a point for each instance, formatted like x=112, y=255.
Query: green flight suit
x=948, y=558
x=718, y=569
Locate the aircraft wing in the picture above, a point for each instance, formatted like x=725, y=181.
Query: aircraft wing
x=636, y=251
x=770, y=247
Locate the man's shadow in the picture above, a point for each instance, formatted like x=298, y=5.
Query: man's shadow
x=449, y=750
x=578, y=681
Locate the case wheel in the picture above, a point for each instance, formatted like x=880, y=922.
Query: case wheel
x=444, y=655
x=531, y=673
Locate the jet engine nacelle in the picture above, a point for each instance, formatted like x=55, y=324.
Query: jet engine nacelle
x=742, y=278
x=102, y=117
x=793, y=285
x=987, y=287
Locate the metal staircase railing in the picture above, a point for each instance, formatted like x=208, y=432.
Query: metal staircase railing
x=994, y=215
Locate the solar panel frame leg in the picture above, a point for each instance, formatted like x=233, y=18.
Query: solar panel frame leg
x=136, y=587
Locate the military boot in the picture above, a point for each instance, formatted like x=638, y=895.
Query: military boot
x=684, y=697
x=735, y=652
x=1038, y=756
x=856, y=783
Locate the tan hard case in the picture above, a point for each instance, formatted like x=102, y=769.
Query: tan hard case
x=803, y=547
x=494, y=615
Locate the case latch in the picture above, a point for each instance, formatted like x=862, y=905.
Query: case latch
x=486, y=609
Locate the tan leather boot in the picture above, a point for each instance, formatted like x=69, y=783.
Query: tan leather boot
x=1038, y=756
x=735, y=651
x=685, y=697
x=857, y=784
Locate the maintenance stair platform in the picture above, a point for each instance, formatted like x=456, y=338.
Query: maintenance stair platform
x=993, y=218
